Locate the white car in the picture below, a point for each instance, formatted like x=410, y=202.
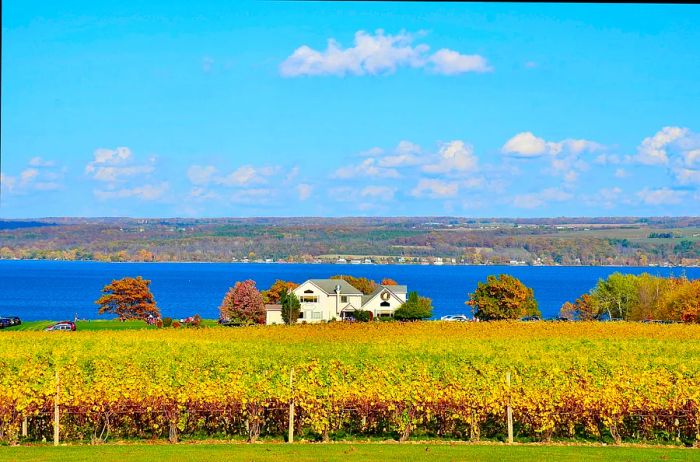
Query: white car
x=455, y=317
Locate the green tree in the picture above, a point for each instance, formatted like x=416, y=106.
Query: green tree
x=617, y=295
x=415, y=308
x=502, y=297
x=290, y=307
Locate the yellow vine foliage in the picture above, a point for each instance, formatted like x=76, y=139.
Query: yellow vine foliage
x=618, y=381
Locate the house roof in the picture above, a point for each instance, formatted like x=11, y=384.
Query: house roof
x=393, y=289
x=273, y=307
x=328, y=286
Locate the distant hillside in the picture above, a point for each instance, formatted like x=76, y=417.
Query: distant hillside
x=566, y=241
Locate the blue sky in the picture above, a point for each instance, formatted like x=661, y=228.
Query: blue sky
x=203, y=109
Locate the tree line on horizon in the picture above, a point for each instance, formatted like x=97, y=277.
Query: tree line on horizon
x=298, y=241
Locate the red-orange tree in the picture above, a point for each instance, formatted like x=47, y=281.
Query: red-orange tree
x=243, y=304
x=279, y=287
x=128, y=298
x=503, y=297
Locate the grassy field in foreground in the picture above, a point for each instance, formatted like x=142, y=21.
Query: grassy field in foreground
x=99, y=324
x=345, y=452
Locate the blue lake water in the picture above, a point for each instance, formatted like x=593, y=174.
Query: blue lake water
x=38, y=290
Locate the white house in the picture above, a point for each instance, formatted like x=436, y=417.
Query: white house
x=327, y=299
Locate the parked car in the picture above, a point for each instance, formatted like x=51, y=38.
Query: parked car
x=63, y=326
x=8, y=321
x=531, y=318
x=455, y=318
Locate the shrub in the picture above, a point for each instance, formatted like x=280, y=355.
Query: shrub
x=362, y=315
x=415, y=308
x=176, y=324
x=167, y=322
x=196, y=321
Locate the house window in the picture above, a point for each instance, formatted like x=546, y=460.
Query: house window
x=301, y=315
x=308, y=299
x=316, y=315
x=385, y=304
x=343, y=299
x=308, y=291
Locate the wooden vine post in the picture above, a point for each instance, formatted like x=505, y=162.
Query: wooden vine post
x=509, y=411
x=56, y=435
x=291, y=406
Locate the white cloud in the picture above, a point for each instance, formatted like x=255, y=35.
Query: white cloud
x=111, y=165
x=661, y=196
x=692, y=158
x=147, y=192
x=378, y=192
x=41, y=162
x=652, y=150
x=113, y=174
x=377, y=54
x=28, y=175
x=453, y=157
x=450, y=62
x=247, y=175
x=435, y=189
x=686, y=176
x=201, y=174
x=201, y=194
x=7, y=182
x=367, y=168
x=39, y=176
x=304, y=190
x=538, y=199
x=526, y=144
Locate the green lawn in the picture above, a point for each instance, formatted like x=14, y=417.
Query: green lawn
x=101, y=324
x=345, y=452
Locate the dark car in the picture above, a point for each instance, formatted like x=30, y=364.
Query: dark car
x=5, y=322
x=531, y=318
x=16, y=321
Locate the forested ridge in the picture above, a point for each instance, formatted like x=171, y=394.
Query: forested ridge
x=565, y=241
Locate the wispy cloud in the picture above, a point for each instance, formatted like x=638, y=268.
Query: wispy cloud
x=378, y=53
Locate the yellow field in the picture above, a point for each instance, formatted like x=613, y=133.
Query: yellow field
x=598, y=381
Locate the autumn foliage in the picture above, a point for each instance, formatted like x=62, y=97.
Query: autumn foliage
x=243, y=304
x=128, y=298
x=364, y=285
x=273, y=295
x=502, y=297
x=638, y=298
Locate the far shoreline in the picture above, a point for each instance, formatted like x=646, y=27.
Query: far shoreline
x=342, y=264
